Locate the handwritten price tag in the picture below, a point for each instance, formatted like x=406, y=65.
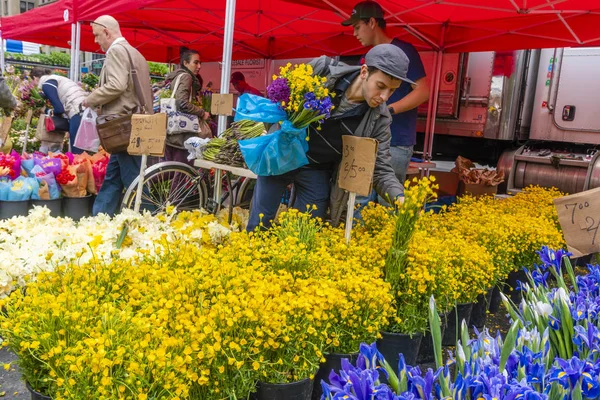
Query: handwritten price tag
x=579, y=217
x=358, y=164
x=221, y=104
x=148, y=133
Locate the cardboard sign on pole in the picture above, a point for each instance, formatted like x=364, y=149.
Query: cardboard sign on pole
x=5, y=128
x=221, y=104
x=148, y=133
x=28, y=121
x=356, y=171
x=579, y=217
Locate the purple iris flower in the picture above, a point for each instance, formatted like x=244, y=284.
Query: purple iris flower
x=522, y=391
x=552, y=258
x=279, y=90
x=590, y=337
x=554, y=323
x=568, y=373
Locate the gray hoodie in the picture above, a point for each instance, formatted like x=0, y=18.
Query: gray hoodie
x=7, y=100
x=375, y=124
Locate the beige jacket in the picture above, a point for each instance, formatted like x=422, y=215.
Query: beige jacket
x=116, y=94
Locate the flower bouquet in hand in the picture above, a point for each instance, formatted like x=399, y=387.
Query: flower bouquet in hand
x=296, y=99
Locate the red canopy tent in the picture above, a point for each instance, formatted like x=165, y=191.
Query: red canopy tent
x=484, y=25
x=263, y=28
x=479, y=25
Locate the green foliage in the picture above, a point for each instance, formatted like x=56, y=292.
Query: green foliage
x=158, y=69
x=56, y=58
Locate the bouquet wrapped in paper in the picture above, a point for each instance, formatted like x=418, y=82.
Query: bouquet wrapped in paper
x=99, y=163
x=49, y=165
x=19, y=189
x=47, y=182
x=84, y=164
x=73, y=181
x=296, y=99
x=10, y=165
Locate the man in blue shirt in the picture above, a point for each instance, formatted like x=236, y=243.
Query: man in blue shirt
x=369, y=28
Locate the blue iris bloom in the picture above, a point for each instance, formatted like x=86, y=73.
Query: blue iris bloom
x=552, y=258
x=554, y=323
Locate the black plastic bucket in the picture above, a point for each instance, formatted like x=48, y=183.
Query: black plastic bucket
x=300, y=390
x=464, y=313
x=9, y=209
x=392, y=344
x=332, y=362
x=55, y=206
x=480, y=307
x=77, y=207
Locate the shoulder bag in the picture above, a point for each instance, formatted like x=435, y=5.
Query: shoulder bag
x=114, y=130
x=178, y=122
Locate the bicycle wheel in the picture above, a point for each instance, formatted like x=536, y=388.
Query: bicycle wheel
x=168, y=184
x=245, y=192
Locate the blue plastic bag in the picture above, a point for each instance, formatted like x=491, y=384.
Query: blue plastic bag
x=277, y=153
x=258, y=109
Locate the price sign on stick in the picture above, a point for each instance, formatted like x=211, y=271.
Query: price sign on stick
x=148, y=133
x=579, y=217
x=221, y=104
x=356, y=171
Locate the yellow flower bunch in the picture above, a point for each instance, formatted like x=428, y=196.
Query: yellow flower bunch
x=197, y=322
x=301, y=81
x=459, y=253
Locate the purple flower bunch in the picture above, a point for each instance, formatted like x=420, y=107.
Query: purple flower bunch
x=322, y=106
x=279, y=91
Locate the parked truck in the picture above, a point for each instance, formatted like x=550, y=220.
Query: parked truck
x=533, y=114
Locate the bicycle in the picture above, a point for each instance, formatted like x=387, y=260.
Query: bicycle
x=172, y=183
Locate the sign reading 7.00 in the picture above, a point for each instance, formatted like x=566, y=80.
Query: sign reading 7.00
x=579, y=217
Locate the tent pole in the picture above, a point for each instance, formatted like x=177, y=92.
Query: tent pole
x=76, y=67
x=1, y=53
x=225, y=74
x=429, y=108
x=433, y=100
x=227, y=56
x=73, y=39
x=437, y=77
x=1, y=39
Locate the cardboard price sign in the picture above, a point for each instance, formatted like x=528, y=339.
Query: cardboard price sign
x=148, y=133
x=221, y=104
x=5, y=129
x=579, y=217
x=358, y=163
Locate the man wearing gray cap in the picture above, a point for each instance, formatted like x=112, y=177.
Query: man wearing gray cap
x=361, y=93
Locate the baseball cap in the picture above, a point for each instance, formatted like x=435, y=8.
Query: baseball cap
x=389, y=59
x=364, y=9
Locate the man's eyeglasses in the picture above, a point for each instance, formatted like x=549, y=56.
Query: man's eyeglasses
x=96, y=23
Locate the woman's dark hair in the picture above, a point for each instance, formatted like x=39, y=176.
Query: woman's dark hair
x=186, y=54
x=38, y=72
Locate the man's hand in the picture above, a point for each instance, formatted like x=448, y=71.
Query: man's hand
x=206, y=116
x=85, y=103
